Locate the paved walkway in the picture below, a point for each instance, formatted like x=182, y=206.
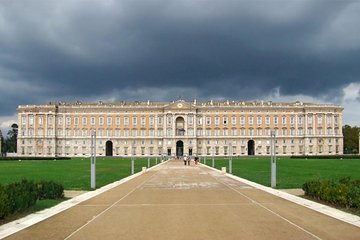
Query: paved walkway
x=174, y=201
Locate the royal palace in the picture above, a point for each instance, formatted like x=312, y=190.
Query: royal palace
x=179, y=128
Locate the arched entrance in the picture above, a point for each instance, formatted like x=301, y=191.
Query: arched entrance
x=109, y=148
x=179, y=148
x=251, y=147
x=180, y=126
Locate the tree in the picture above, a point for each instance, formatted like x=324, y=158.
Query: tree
x=1, y=144
x=11, y=141
x=351, y=139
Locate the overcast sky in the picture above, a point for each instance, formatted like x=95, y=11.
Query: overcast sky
x=114, y=50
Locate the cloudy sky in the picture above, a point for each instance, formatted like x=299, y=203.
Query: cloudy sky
x=111, y=50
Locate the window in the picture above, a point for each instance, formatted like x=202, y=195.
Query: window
x=117, y=133
x=160, y=120
x=300, y=131
x=76, y=120
x=143, y=121
x=225, y=120
x=259, y=120
x=199, y=132
x=268, y=131
x=292, y=120
x=68, y=120
x=283, y=119
x=134, y=120
x=109, y=121
x=101, y=121
x=40, y=120
x=284, y=131
x=92, y=121
x=234, y=132
x=242, y=120
x=310, y=119
x=319, y=118
x=126, y=121
x=133, y=132
x=251, y=120
x=276, y=120
x=23, y=120
x=217, y=120
x=217, y=132
x=242, y=131
x=84, y=132
x=292, y=131
x=152, y=132
x=251, y=131
x=117, y=121
x=169, y=119
x=300, y=119
x=225, y=131
x=199, y=120
x=267, y=120
x=151, y=120
x=259, y=132
x=233, y=120
x=208, y=120
x=208, y=132
x=328, y=119
x=67, y=132
x=190, y=119
x=310, y=131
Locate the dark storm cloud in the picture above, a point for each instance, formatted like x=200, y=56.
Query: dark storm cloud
x=69, y=50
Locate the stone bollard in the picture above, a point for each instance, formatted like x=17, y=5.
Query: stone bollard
x=223, y=170
x=143, y=169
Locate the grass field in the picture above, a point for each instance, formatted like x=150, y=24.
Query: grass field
x=291, y=173
x=74, y=174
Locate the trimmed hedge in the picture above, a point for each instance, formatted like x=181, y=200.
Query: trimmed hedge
x=343, y=192
x=20, y=196
x=49, y=190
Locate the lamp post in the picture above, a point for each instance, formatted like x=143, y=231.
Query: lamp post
x=93, y=160
x=230, y=159
x=273, y=159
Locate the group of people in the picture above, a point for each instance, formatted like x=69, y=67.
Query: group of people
x=187, y=160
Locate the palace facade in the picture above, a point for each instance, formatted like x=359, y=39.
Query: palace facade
x=178, y=128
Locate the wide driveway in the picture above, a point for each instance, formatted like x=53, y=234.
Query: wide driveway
x=174, y=201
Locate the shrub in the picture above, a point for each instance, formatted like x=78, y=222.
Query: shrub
x=18, y=197
x=342, y=192
x=4, y=203
x=21, y=195
x=49, y=190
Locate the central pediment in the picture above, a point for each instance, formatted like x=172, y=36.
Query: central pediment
x=178, y=105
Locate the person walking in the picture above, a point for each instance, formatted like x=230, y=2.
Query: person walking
x=185, y=159
x=196, y=160
x=188, y=160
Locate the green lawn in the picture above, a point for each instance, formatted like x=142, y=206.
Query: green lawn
x=291, y=173
x=74, y=174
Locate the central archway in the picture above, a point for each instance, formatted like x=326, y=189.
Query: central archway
x=251, y=147
x=109, y=148
x=179, y=148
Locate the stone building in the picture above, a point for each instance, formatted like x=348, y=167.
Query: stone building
x=179, y=127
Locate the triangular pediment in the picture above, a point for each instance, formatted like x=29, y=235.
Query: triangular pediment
x=178, y=105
